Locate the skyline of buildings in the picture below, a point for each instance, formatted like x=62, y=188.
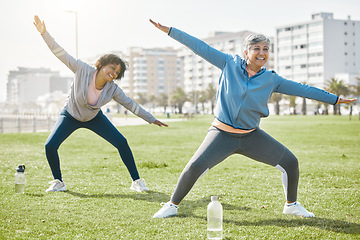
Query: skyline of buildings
x=312, y=52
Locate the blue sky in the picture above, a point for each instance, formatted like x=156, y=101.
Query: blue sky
x=106, y=25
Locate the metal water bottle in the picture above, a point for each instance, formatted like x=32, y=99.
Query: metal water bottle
x=214, y=219
x=20, y=179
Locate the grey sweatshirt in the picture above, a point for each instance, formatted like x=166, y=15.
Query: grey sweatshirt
x=76, y=104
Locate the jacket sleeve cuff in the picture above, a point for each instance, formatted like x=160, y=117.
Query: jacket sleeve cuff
x=169, y=31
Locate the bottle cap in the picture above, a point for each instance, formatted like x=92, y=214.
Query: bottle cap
x=21, y=168
x=214, y=198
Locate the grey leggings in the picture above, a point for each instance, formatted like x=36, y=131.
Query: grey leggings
x=258, y=145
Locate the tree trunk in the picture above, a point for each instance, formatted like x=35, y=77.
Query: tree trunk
x=304, y=106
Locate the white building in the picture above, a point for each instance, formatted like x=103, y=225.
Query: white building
x=25, y=85
x=317, y=50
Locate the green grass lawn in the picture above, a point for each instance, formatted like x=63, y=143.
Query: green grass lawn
x=100, y=205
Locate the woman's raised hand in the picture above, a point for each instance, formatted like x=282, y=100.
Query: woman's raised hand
x=40, y=25
x=161, y=27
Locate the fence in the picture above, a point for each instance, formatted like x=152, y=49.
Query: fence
x=10, y=123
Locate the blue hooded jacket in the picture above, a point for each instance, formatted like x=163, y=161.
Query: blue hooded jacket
x=242, y=100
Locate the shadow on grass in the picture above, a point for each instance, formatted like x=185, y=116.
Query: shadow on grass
x=188, y=207
x=153, y=196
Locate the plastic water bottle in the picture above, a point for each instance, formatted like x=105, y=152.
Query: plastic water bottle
x=214, y=219
x=20, y=179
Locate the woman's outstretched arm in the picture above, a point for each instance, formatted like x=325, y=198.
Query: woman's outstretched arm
x=55, y=48
x=199, y=47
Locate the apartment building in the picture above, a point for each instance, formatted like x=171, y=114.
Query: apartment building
x=151, y=72
x=319, y=49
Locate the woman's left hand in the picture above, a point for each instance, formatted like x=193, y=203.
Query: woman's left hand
x=343, y=100
x=160, y=124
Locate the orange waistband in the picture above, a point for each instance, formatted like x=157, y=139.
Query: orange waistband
x=222, y=126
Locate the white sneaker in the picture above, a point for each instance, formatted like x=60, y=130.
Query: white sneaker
x=168, y=210
x=139, y=185
x=297, y=209
x=56, y=186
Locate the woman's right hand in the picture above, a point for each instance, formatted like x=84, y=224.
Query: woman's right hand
x=40, y=25
x=161, y=27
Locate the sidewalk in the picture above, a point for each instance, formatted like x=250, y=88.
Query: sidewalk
x=133, y=121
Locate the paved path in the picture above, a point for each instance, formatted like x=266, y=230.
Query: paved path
x=133, y=121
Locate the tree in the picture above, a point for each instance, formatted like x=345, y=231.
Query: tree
x=178, y=98
x=210, y=94
x=202, y=98
x=152, y=100
x=193, y=97
x=338, y=88
x=292, y=104
x=163, y=100
x=303, y=108
x=355, y=90
x=276, y=98
x=141, y=98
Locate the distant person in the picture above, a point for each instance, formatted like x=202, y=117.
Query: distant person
x=91, y=89
x=244, y=90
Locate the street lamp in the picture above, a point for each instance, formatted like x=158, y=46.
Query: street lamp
x=76, y=30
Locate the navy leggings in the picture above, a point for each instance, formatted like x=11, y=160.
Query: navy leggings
x=101, y=125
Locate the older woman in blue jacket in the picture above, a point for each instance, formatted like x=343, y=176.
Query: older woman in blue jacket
x=244, y=90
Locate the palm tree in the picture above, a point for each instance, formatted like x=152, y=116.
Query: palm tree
x=293, y=104
x=338, y=88
x=276, y=98
x=163, y=100
x=152, y=100
x=141, y=98
x=355, y=90
x=303, y=108
x=202, y=99
x=193, y=97
x=210, y=94
x=179, y=98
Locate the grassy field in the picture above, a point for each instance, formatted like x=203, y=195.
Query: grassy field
x=99, y=204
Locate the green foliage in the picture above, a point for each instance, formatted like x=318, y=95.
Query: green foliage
x=100, y=205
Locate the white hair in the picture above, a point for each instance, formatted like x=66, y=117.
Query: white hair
x=253, y=39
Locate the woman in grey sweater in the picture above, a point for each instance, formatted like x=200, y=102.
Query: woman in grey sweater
x=91, y=89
